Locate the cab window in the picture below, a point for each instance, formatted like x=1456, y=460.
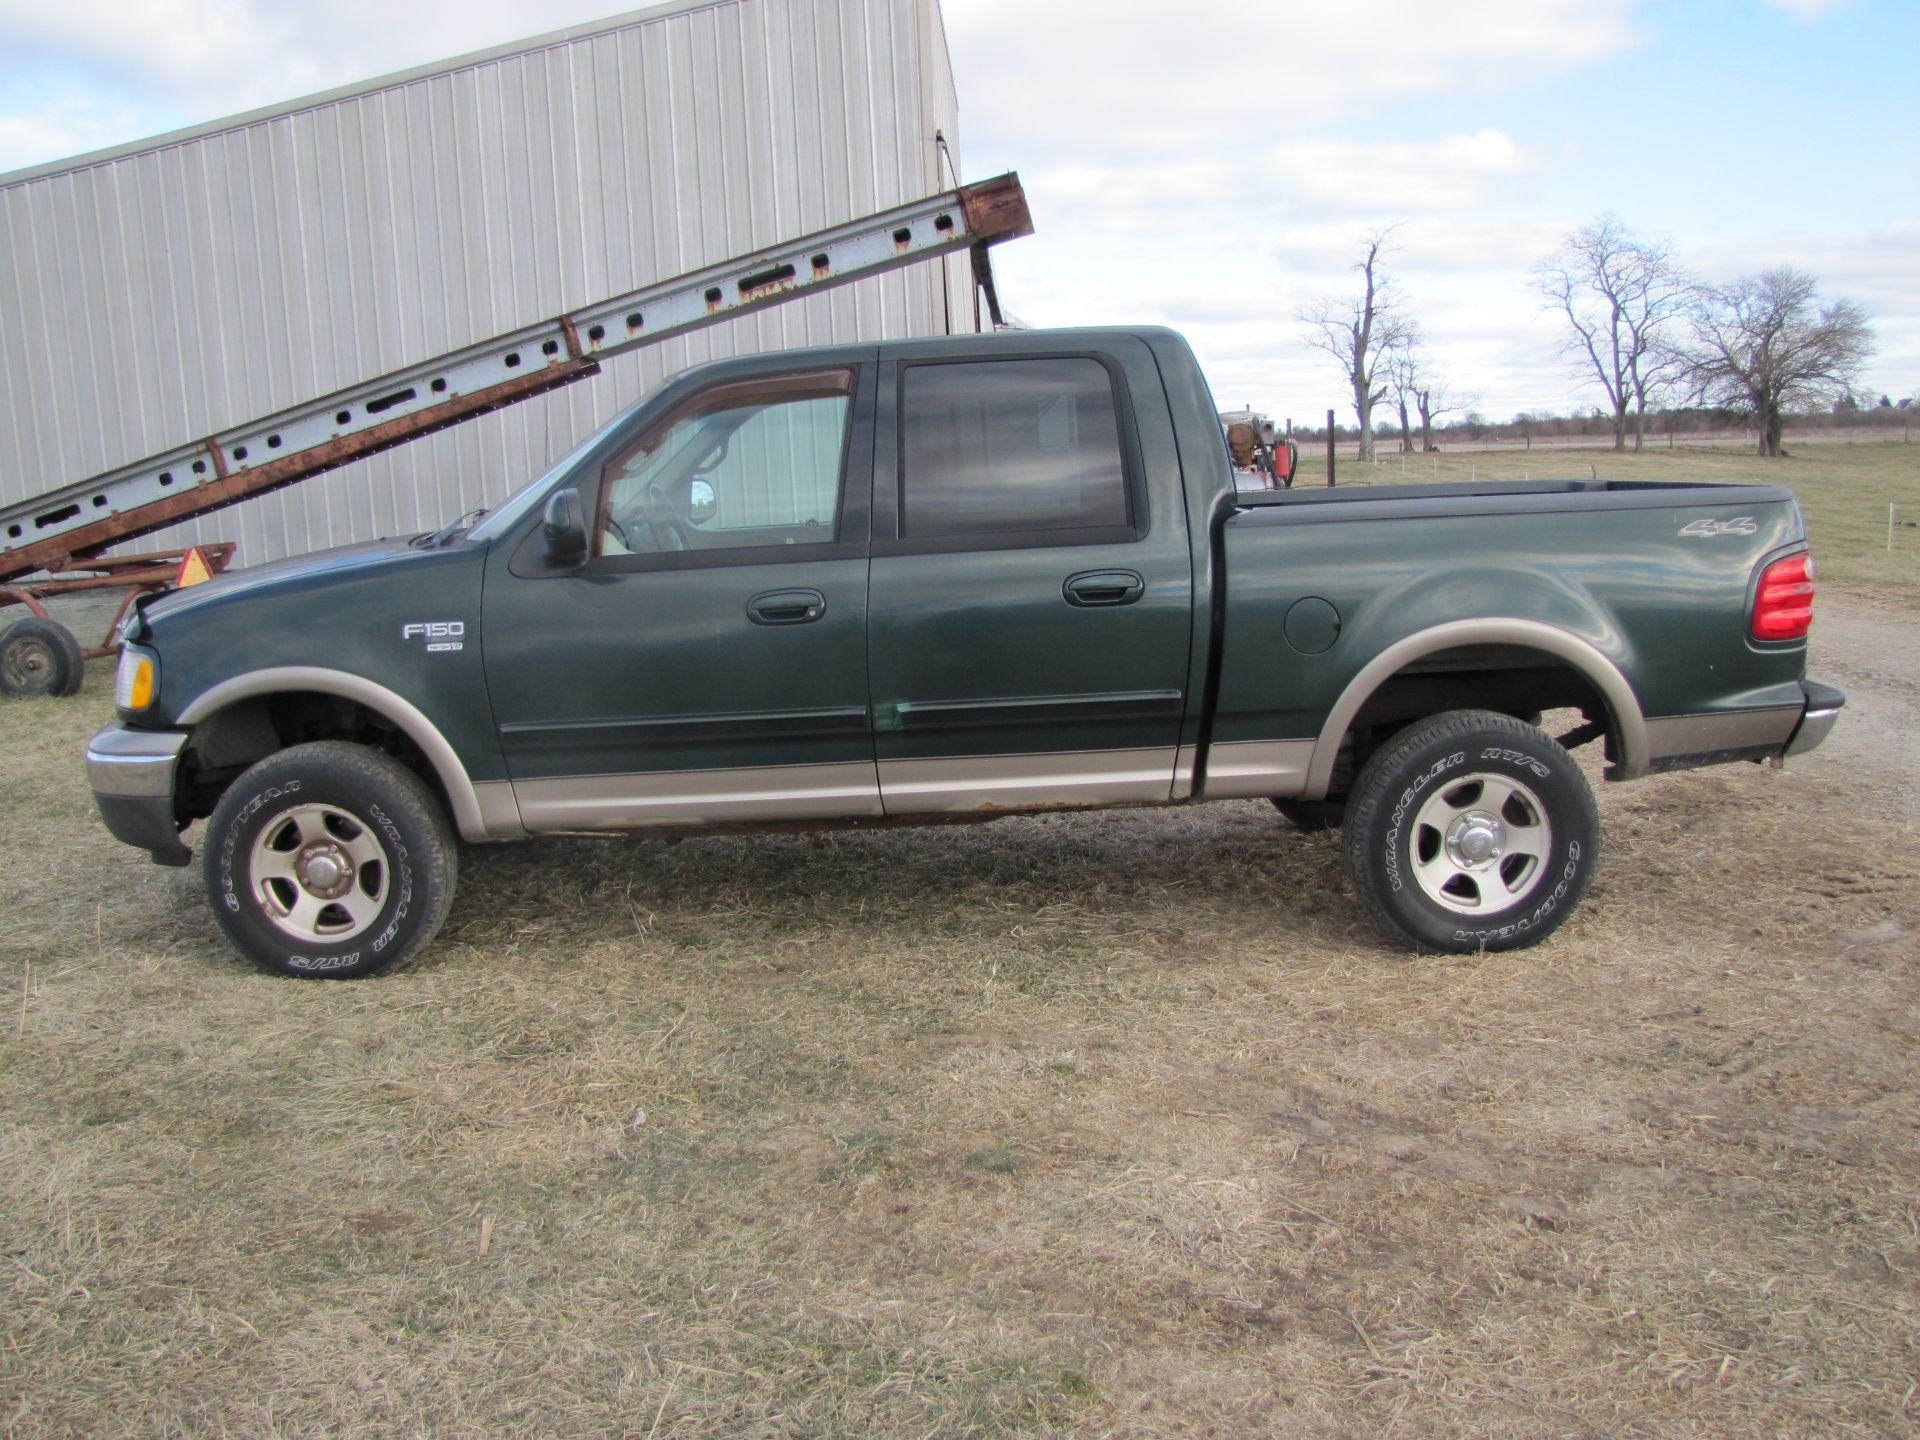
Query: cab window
x=751, y=464
x=1025, y=450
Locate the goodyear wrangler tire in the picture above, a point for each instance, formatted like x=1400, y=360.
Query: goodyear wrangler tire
x=1471, y=831
x=329, y=860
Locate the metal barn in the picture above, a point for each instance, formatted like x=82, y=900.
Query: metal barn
x=160, y=291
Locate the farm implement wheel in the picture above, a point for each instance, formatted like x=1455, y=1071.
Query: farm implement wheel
x=40, y=657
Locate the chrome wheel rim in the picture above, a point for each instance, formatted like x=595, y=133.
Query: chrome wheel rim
x=319, y=874
x=1480, y=844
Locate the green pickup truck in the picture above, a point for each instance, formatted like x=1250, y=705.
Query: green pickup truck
x=954, y=579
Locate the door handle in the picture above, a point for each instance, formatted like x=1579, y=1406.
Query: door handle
x=786, y=607
x=1104, y=587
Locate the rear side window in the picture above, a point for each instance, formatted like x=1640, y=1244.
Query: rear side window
x=997, y=448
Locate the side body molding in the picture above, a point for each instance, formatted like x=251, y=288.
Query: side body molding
x=1629, y=725
x=480, y=812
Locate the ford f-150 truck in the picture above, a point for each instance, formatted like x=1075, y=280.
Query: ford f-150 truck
x=954, y=578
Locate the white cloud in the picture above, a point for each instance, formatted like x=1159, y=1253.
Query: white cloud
x=70, y=125
x=1232, y=76
x=1804, y=10
x=174, y=43
x=210, y=58
x=1397, y=177
x=1422, y=246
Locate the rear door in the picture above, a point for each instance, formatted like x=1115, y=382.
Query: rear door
x=1031, y=609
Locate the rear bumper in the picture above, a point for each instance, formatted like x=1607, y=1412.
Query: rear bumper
x=1824, y=704
x=1682, y=742
x=132, y=773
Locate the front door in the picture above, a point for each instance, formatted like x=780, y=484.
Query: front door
x=708, y=661
x=1031, y=614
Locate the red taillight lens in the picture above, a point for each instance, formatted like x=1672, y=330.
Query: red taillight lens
x=1783, y=602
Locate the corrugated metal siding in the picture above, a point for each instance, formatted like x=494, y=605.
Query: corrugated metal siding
x=151, y=297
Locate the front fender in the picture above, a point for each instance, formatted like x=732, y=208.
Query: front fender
x=480, y=812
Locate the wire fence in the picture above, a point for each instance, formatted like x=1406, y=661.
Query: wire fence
x=1714, y=440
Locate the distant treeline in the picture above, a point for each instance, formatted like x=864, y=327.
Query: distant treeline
x=1883, y=415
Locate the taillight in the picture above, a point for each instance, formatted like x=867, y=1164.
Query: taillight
x=1783, y=601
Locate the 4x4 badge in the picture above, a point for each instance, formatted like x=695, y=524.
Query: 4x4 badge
x=1739, y=525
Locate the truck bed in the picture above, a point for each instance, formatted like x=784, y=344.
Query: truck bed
x=1653, y=577
x=1497, y=497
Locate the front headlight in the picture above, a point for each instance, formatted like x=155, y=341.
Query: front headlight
x=137, y=680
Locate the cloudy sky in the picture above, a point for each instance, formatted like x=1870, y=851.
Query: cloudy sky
x=1212, y=165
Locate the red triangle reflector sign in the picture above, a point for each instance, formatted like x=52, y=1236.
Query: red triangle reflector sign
x=193, y=569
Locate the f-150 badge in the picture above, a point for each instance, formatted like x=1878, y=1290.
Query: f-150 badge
x=1739, y=525
x=438, y=634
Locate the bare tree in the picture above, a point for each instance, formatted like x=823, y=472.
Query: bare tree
x=1410, y=375
x=1405, y=369
x=1764, y=345
x=1362, y=333
x=1435, y=400
x=1617, y=294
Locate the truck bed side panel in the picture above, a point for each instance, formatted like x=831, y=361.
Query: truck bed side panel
x=1661, y=596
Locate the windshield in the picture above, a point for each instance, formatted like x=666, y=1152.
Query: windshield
x=508, y=515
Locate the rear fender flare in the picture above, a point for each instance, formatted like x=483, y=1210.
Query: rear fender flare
x=1629, y=725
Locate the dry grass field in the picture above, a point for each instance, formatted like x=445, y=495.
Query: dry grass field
x=1117, y=1125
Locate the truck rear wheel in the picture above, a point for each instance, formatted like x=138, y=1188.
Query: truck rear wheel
x=40, y=657
x=329, y=860
x=1471, y=831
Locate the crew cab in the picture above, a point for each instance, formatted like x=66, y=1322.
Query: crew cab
x=956, y=578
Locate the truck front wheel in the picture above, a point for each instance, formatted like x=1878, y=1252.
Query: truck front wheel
x=329, y=860
x=1471, y=831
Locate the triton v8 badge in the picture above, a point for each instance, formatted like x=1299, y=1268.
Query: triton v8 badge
x=438, y=634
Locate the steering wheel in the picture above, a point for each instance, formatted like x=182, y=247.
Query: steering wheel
x=668, y=531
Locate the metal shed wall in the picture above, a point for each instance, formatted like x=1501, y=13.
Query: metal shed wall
x=158, y=292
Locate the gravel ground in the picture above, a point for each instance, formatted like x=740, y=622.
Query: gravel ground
x=1871, y=650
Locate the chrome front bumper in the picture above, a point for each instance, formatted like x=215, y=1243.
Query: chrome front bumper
x=132, y=774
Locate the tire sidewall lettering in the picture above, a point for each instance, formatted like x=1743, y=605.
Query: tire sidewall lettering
x=1568, y=873
x=1519, y=758
x=229, y=895
x=403, y=878
x=1407, y=800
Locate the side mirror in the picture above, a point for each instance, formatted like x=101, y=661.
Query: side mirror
x=702, y=505
x=566, y=532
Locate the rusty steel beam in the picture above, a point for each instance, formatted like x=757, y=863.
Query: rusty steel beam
x=79, y=547
x=76, y=523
